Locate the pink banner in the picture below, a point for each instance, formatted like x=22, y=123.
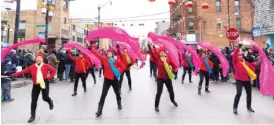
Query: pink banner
x=218, y=53
x=173, y=51
x=117, y=34
x=267, y=71
x=85, y=51
x=123, y=46
x=6, y=51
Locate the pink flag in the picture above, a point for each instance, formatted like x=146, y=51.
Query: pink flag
x=6, y=51
x=123, y=46
x=117, y=34
x=218, y=53
x=267, y=71
x=85, y=51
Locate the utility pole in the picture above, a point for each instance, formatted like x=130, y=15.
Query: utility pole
x=99, y=9
x=47, y=23
x=17, y=21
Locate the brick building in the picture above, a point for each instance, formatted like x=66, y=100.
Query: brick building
x=208, y=24
x=32, y=24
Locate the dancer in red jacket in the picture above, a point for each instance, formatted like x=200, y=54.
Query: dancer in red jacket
x=128, y=62
x=112, y=71
x=40, y=78
x=81, y=67
x=165, y=76
x=242, y=80
x=205, y=70
x=188, y=66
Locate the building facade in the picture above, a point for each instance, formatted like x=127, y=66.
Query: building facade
x=32, y=24
x=264, y=18
x=208, y=24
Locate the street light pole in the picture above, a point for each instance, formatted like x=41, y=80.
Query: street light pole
x=17, y=21
x=47, y=23
x=99, y=9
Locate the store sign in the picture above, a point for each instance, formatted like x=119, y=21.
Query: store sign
x=256, y=31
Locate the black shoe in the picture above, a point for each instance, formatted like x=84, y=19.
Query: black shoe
x=32, y=117
x=85, y=90
x=207, y=91
x=190, y=82
x=157, y=109
x=182, y=82
x=51, y=106
x=99, y=112
x=175, y=104
x=199, y=92
x=235, y=111
x=250, y=109
x=74, y=94
x=94, y=82
x=119, y=106
x=130, y=88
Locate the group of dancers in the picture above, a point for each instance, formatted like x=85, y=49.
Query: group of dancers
x=115, y=68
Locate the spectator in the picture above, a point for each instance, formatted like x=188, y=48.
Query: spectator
x=6, y=70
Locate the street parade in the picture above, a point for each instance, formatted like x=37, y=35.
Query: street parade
x=180, y=70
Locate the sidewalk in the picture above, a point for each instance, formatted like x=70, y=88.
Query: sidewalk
x=20, y=82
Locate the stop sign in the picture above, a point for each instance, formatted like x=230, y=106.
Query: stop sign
x=232, y=34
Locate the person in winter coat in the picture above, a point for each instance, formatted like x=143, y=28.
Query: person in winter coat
x=52, y=60
x=6, y=71
x=216, y=68
x=128, y=62
x=41, y=74
x=242, y=78
x=112, y=71
x=61, y=66
x=188, y=66
x=81, y=66
x=205, y=70
x=165, y=75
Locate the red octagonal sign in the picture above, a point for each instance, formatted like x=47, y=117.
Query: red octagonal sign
x=232, y=34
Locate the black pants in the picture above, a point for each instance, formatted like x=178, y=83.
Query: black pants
x=215, y=75
x=106, y=86
x=35, y=94
x=239, y=87
x=128, y=79
x=160, y=84
x=83, y=78
x=72, y=74
x=153, y=69
x=187, y=69
x=203, y=74
x=91, y=71
x=100, y=71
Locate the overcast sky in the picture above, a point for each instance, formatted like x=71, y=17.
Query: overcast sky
x=118, y=9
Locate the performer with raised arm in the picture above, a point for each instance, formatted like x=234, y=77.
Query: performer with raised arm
x=81, y=66
x=205, y=70
x=112, y=71
x=128, y=62
x=165, y=76
x=244, y=72
x=188, y=66
x=40, y=78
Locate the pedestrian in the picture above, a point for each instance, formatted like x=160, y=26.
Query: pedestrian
x=6, y=71
x=128, y=62
x=242, y=77
x=164, y=76
x=112, y=71
x=205, y=70
x=62, y=56
x=52, y=60
x=188, y=66
x=41, y=74
x=81, y=65
x=68, y=63
x=216, y=67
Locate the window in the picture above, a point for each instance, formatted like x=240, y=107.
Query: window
x=22, y=31
x=65, y=4
x=219, y=26
x=237, y=5
x=190, y=10
x=80, y=40
x=238, y=23
x=191, y=23
x=218, y=6
x=73, y=38
x=22, y=25
x=73, y=27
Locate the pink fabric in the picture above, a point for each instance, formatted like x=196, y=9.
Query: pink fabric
x=123, y=46
x=117, y=34
x=172, y=49
x=195, y=57
x=218, y=53
x=267, y=72
x=92, y=58
x=6, y=51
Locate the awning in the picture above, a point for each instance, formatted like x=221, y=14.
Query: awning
x=52, y=36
